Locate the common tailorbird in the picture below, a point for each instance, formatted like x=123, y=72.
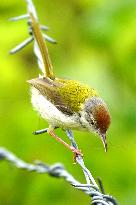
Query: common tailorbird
x=63, y=103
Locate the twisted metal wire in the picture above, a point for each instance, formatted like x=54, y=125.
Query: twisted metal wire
x=98, y=197
x=57, y=170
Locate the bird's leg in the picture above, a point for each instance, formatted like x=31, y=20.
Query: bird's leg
x=72, y=148
x=50, y=131
x=73, y=143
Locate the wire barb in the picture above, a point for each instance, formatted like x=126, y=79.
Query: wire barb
x=101, y=185
x=44, y=28
x=21, y=45
x=17, y=18
x=47, y=38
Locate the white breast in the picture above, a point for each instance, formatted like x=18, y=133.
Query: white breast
x=50, y=113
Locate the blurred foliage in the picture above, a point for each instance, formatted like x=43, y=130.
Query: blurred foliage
x=96, y=45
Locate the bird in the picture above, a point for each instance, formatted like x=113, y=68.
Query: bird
x=65, y=103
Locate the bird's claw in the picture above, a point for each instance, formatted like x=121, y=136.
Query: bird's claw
x=77, y=153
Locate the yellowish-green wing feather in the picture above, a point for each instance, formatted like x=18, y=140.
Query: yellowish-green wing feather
x=49, y=89
x=67, y=95
x=75, y=93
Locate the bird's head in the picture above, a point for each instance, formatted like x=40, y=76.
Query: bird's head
x=97, y=117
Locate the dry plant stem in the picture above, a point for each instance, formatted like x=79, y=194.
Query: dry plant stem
x=58, y=170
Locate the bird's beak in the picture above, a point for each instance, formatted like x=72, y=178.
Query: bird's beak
x=103, y=137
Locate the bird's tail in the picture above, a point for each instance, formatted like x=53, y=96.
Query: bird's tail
x=39, y=38
x=40, y=47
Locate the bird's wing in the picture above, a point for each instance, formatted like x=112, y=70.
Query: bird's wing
x=50, y=89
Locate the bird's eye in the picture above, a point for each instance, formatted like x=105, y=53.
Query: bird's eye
x=92, y=123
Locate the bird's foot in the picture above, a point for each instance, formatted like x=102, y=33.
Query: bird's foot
x=76, y=152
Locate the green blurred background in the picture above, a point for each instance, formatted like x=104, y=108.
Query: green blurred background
x=96, y=45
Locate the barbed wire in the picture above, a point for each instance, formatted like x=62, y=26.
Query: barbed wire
x=57, y=170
